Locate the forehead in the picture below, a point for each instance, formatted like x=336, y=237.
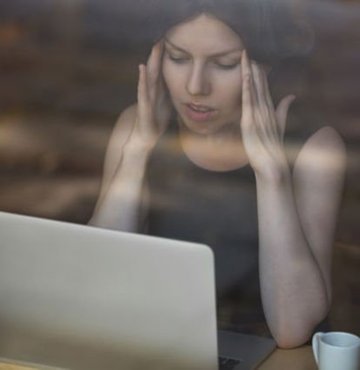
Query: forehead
x=204, y=33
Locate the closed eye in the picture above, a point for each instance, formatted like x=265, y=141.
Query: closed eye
x=226, y=66
x=179, y=59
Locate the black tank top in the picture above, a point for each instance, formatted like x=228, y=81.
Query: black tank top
x=216, y=208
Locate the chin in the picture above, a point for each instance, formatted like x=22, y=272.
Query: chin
x=199, y=128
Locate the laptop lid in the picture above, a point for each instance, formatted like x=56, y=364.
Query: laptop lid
x=81, y=297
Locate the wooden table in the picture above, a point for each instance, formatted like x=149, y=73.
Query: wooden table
x=295, y=359
x=13, y=366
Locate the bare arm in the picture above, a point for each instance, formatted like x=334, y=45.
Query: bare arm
x=122, y=204
x=296, y=227
x=296, y=211
x=118, y=206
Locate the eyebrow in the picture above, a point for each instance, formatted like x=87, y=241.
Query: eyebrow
x=219, y=54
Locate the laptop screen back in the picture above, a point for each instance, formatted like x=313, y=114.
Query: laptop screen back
x=80, y=297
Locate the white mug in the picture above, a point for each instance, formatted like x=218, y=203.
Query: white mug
x=336, y=351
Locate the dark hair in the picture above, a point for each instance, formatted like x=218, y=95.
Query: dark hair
x=271, y=29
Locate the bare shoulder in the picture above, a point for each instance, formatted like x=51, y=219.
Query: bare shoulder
x=129, y=113
x=125, y=123
x=324, y=151
x=119, y=136
x=326, y=138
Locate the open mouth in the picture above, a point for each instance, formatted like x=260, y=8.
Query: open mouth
x=199, y=113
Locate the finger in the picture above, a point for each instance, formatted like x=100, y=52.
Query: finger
x=266, y=88
x=247, y=98
x=257, y=82
x=260, y=107
x=142, y=93
x=249, y=128
x=264, y=122
x=153, y=65
x=282, y=112
x=265, y=104
x=264, y=125
x=269, y=103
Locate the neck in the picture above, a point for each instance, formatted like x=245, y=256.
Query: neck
x=219, y=151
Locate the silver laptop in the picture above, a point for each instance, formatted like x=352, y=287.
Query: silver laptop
x=80, y=297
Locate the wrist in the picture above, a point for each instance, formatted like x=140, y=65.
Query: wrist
x=137, y=148
x=274, y=177
x=133, y=163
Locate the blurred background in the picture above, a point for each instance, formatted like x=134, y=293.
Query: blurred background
x=69, y=67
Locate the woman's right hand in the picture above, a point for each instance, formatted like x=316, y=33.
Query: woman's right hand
x=153, y=108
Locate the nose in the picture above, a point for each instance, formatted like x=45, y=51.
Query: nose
x=198, y=82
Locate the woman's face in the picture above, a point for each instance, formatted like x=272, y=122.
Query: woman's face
x=201, y=68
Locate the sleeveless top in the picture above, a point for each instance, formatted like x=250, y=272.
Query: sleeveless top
x=219, y=209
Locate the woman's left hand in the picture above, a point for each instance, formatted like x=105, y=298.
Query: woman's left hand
x=262, y=125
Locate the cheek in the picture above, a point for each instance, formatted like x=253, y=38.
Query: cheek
x=171, y=78
x=231, y=91
x=237, y=95
x=165, y=73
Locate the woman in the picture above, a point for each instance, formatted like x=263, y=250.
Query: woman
x=211, y=74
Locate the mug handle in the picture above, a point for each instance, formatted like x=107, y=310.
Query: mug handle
x=315, y=345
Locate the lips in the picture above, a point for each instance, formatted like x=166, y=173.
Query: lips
x=199, y=113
